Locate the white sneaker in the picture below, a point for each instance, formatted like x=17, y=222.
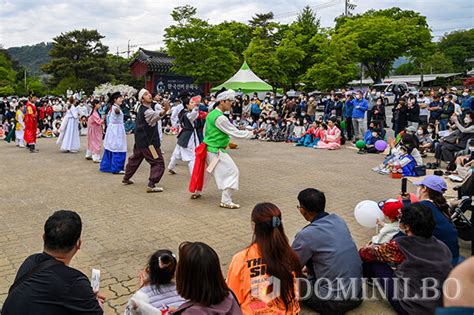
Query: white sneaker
x=154, y=189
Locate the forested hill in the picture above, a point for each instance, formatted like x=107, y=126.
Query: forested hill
x=31, y=57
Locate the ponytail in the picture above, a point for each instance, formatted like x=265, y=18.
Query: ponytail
x=440, y=202
x=162, y=267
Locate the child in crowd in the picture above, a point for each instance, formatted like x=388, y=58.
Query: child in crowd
x=157, y=288
x=56, y=127
x=405, y=162
x=47, y=131
x=391, y=209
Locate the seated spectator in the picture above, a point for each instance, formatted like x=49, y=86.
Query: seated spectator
x=332, y=136
x=157, y=288
x=465, y=162
x=45, y=283
x=298, y=131
x=425, y=137
x=269, y=255
x=312, y=136
x=430, y=193
x=457, y=141
x=417, y=256
x=391, y=209
x=199, y=280
x=370, y=140
x=327, y=251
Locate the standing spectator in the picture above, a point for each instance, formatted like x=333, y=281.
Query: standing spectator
x=358, y=113
x=269, y=255
x=435, y=108
x=45, y=283
x=199, y=280
x=417, y=256
x=372, y=101
x=83, y=110
x=424, y=103
x=466, y=101
x=347, y=115
x=327, y=251
x=3, y=106
x=399, y=118
x=311, y=109
x=378, y=113
x=413, y=112
x=57, y=109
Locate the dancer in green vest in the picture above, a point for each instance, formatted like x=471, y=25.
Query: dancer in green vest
x=213, y=155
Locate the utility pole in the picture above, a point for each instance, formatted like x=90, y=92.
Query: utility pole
x=128, y=49
x=25, y=83
x=421, y=77
x=349, y=7
x=117, y=51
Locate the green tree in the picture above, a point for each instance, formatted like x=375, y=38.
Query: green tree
x=435, y=63
x=198, y=49
x=78, y=55
x=119, y=68
x=382, y=36
x=306, y=33
x=334, y=63
x=458, y=46
x=7, y=74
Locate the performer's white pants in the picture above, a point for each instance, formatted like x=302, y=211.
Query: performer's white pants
x=226, y=174
x=19, y=138
x=183, y=154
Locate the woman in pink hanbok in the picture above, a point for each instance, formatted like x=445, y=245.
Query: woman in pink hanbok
x=94, y=133
x=332, y=137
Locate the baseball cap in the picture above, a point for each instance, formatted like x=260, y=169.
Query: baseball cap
x=410, y=129
x=433, y=182
x=391, y=208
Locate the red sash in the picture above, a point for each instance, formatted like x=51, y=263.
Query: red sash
x=197, y=179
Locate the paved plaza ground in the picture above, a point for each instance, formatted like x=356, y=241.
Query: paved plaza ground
x=123, y=225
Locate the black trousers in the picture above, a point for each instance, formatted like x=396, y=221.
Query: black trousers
x=446, y=151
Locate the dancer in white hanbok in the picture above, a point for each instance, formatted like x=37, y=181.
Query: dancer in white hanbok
x=187, y=137
x=115, y=142
x=69, y=132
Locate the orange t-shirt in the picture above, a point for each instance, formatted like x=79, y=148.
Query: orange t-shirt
x=249, y=281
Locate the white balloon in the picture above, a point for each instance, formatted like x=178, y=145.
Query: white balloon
x=367, y=212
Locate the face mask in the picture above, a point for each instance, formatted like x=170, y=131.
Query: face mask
x=446, y=100
x=471, y=149
x=467, y=120
x=268, y=121
x=303, y=114
x=260, y=120
x=379, y=103
x=374, y=134
x=373, y=93
x=305, y=121
x=465, y=94
x=283, y=125
x=430, y=130
x=420, y=132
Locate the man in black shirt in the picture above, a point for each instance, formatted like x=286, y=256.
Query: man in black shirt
x=45, y=284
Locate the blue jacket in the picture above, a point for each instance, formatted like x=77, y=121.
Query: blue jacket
x=444, y=230
x=348, y=108
x=360, y=107
x=466, y=102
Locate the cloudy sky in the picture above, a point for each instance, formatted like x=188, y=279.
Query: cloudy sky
x=27, y=22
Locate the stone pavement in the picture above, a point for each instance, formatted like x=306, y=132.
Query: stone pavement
x=123, y=225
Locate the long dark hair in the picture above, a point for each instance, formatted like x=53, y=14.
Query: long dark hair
x=439, y=201
x=161, y=267
x=199, y=276
x=94, y=102
x=275, y=249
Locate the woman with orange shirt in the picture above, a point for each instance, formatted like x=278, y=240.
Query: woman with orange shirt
x=253, y=271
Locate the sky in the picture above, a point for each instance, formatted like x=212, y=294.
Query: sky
x=142, y=22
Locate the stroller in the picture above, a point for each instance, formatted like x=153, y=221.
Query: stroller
x=462, y=214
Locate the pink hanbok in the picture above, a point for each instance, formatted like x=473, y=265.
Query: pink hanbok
x=331, y=140
x=94, y=136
